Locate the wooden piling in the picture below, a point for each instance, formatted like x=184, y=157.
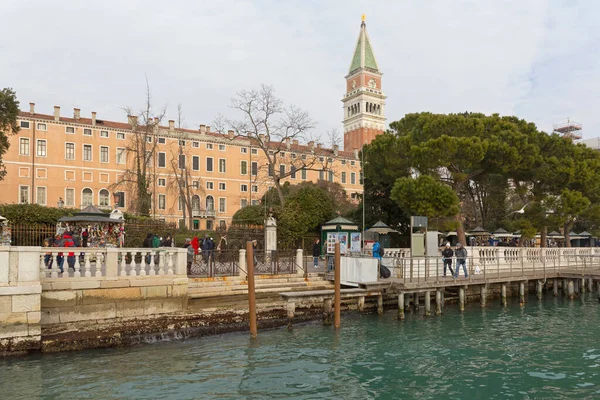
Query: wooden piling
x=380, y=304
x=251, y=289
x=503, y=294
x=438, y=301
x=427, y=303
x=416, y=301
x=461, y=298
x=571, y=289
x=538, y=291
x=483, y=295
x=555, y=287
x=582, y=286
x=590, y=285
x=401, y=306
x=565, y=287
x=327, y=311
x=522, y=293
x=361, y=303
x=291, y=310
x=338, y=295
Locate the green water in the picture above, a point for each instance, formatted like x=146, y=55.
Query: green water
x=549, y=349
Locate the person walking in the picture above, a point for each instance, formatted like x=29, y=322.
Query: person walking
x=461, y=259
x=377, y=250
x=68, y=242
x=447, y=255
x=167, y=241
x=316, y=252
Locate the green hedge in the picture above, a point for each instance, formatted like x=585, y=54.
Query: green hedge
x=34, y=214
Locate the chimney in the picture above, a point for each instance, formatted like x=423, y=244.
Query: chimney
x=295, y=142
x=156, y=120
x=131, y=119
x=356, y=153
x=76, y=113
x=32, y=108
x=231, y=134
x=288, y=143
x=311, y=145
x=318, y=145
x=336, y=149
x=261, y=136
x=202, y=128
x=93, y=118
x=57, y=113
x=207, y=129
x=171, y=125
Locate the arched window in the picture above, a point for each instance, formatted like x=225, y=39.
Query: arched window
x=196, y=202
x=87, y=197
x=104, y=198
x=210, y=203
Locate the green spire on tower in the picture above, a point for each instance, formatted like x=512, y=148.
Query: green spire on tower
x=363, y=54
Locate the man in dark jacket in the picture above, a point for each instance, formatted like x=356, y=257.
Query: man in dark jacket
x=447, y=255
x=461, y=259
x=316, y=252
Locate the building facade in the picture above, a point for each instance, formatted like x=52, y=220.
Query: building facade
x=364, y=101
x=77, y=161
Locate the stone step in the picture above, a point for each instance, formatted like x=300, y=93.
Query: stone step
x=237, y=288
x=216, y=282
x=244, y=291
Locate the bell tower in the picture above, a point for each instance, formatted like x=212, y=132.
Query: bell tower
x=364, y=101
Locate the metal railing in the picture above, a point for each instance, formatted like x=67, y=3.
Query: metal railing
x=496, y=262
x=214, y=263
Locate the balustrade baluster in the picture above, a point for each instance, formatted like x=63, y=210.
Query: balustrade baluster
x=99, y=262
x=55, y=270
x=170, y=263
x=161, y=265
x=123, y=256
x=42, y=266
x=66, y=265
x=152, y=265
x=133, y=264
x=77, y=266
x=146, y=257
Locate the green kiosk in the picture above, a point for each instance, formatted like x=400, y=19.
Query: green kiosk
x=346, y=232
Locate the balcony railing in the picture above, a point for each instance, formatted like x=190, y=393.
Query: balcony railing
x=204, y=213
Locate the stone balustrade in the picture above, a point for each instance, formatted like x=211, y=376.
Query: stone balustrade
x=82, y=262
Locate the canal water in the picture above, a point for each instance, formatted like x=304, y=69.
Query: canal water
x=549, y=349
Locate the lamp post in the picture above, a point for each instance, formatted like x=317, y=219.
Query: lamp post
x=116, y=197
x=60, y=203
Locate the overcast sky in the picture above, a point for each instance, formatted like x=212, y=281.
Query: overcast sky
x=536, y=59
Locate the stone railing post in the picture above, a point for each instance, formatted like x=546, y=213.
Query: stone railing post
x=181, y=262
x=242, y=270
x=300, y=268
x=112, y=262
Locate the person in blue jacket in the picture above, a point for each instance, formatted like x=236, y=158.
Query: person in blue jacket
x=377, y=250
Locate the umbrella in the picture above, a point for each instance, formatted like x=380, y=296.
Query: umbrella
x=479, y=231
x=381, y=229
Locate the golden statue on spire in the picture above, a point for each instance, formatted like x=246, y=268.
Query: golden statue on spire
x=364, y=17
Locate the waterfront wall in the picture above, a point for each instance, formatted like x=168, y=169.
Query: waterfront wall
x=20, y=290
x=104, y=285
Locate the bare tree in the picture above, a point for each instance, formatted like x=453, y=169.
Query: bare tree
x=334, y=138
x=139, y=178
x=274, y=129
x=184, y=184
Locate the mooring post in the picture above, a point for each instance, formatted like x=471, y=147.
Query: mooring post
x=483, y=295
x=327, y=311
x=590, y=285
x=438, y=301
x=427, y=303
x=361, y=303
x=571, y=289
x=555, y=287
x=539, y=288
x=415, y=301
x=291, y=309
x=461, y=298
x=522, y=293
x=338, y=293
x=380, y=303
x=401, y=306
x=251, y=289
x=407, y=302
x=565, y=287
x=503, y=294
x=582, y=285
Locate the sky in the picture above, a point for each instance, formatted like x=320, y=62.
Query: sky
x=536, y=59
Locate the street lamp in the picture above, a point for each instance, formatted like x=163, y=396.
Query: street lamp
x=117, y=197
x=60, y=203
